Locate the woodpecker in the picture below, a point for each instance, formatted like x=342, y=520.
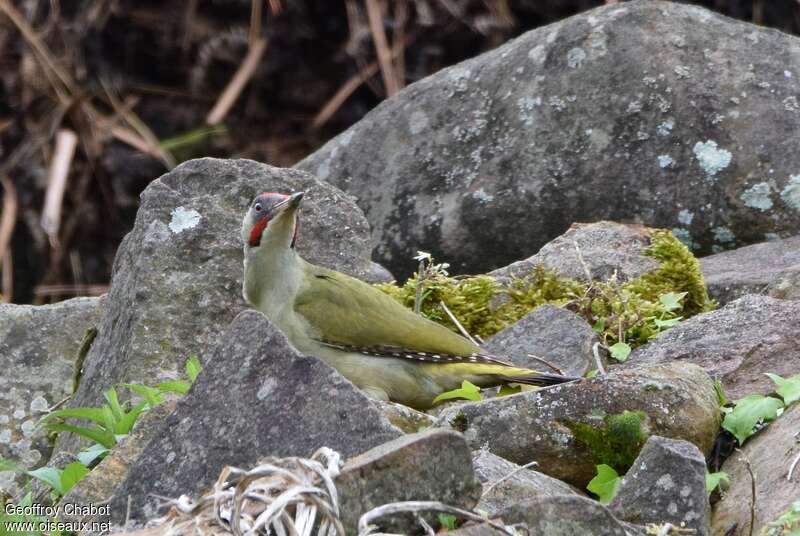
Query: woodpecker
x=388, y=351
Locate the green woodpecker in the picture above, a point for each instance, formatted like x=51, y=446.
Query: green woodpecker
x=379, y=345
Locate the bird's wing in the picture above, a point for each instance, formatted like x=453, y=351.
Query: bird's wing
x=349, y=313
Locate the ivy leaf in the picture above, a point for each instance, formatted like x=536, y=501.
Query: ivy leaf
x=620, y=351
x=788, y=388
x=672, y=300
x=749, y=411
x=447, y=521
x=605, y=484
x=600, y=325
x=467, y=391
x=713, y=480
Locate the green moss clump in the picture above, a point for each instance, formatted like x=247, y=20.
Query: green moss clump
x=617, y=441
x=631, y=312
x=678, y=271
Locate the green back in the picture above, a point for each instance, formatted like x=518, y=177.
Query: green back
x=348, y=311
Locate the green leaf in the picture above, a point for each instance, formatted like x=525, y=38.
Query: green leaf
x=467, y=391
x=605, y=484
x=113, y=403
x=591, y=374
x=193, y=368
x=98, y=435
x=175, y=386
x=720, y=391
x=749, y=411
x=506, y=390
x=788, y=388
x=600, y=325
x=713, y=480
x=50, y=476
x=152, y=395
x=71, y=475
x=96, y=451
x=110, y=421
x=87, y=414
x=665, y=324
x=620, y=351
x=447, y=521
x=125, y=424
x=672, y=300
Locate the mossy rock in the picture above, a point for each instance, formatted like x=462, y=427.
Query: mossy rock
x=630, y=312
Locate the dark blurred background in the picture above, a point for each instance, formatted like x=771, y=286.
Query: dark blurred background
x=99, y=97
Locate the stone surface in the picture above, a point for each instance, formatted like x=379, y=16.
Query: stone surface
x=736, y=344
x=666, y=484
x=521, y=485
x=559, y=336
x=604, y=115
x=770, y=268
x=558, y=426
x=603, y=248
x=771, y=453
x=38, y=350
x=429, y=466
x=482, y=529
x=256, y=397
x=406, y=419
x=177, y=278
x=99, y=485
x=564, y=514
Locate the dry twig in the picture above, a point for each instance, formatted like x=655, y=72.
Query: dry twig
x=375, y=15
x=66, y=142
x=547, y=363
x=234, y=88
x=455, y=321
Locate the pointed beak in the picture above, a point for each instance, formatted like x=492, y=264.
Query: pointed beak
x=290, y=203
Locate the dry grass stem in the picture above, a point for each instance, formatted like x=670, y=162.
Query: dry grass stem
x=375, y=15
x=547, y=363
x=596, y=352
x=506, y=477
x=234, y=88
x=66, y=143
x=455, y=321
x=366, y=528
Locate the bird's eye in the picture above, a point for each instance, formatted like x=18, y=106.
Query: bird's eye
x=257, y=207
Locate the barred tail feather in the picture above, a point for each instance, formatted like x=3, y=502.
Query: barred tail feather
x=540, y=380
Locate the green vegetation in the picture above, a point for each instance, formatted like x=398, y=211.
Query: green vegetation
x=605, y=483
x=468, y=391
x=617, y=441
x=626, y=314
x=714, y=479
x=747, y=413
x=447, y=521
x=110, y=423
x=787, y=524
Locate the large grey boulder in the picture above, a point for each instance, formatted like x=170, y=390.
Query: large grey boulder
x=560, y=337
x=666, y=484
x=39, y=347
x=177, y=277
x=604, y=115
x=505, y=483
x=771, y=454
x=256, y=397
x=736, y=344
x=771, y=268
x=590, y=252
x=430, y=466
x=570, y=428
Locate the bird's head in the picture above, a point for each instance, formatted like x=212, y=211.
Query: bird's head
x=271, y=218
